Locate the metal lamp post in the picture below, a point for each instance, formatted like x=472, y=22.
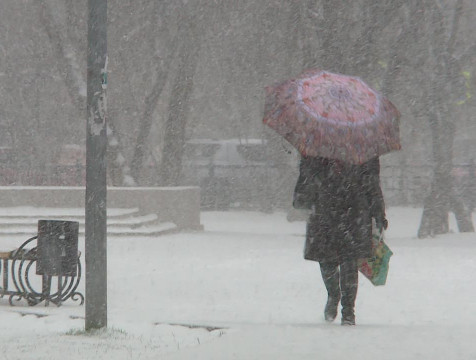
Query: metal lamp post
x=96, y=146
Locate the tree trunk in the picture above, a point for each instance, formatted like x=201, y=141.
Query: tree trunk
x=146, y=125
x=174, y=137
x=162, y=71
x=442, y=199
x=119, y=172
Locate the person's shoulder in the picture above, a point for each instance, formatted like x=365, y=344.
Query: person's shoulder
x=371, y=166
x=373, y=162
x=312, y=160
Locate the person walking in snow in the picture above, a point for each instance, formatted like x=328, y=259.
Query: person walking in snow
x=343, y=199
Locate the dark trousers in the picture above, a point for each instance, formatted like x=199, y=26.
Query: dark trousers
x=341, y=281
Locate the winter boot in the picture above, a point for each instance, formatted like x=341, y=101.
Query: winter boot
x=349, y=277
x=348, y=316
x=330, y=275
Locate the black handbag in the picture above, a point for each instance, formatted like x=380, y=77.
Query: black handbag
x=301, y=200
x=305, y=193
x=307, y=186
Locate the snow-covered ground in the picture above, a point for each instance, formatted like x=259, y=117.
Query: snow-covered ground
x=241, y=290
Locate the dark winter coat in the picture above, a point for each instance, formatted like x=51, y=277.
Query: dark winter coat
x=344, y=198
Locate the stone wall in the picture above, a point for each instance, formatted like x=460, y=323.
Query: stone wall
x=180, y=205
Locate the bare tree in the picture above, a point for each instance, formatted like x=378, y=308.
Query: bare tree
x=163, y=59
x=439, y=88
x=190, y=37
x=354, y=46
x=160, y=50
x=70, y=68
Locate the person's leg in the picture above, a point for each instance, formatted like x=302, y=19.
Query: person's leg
x=330, y=275
x=349, y=277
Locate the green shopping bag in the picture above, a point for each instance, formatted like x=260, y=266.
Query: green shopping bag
x=375, y=268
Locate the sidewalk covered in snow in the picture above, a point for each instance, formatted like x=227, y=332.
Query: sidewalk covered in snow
x=241, y=290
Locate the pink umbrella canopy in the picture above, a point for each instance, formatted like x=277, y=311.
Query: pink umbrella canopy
x=333, y=116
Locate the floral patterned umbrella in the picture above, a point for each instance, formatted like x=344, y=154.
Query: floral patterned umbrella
x=333, y=116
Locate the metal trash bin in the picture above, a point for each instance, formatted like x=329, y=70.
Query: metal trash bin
x=57, y=248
